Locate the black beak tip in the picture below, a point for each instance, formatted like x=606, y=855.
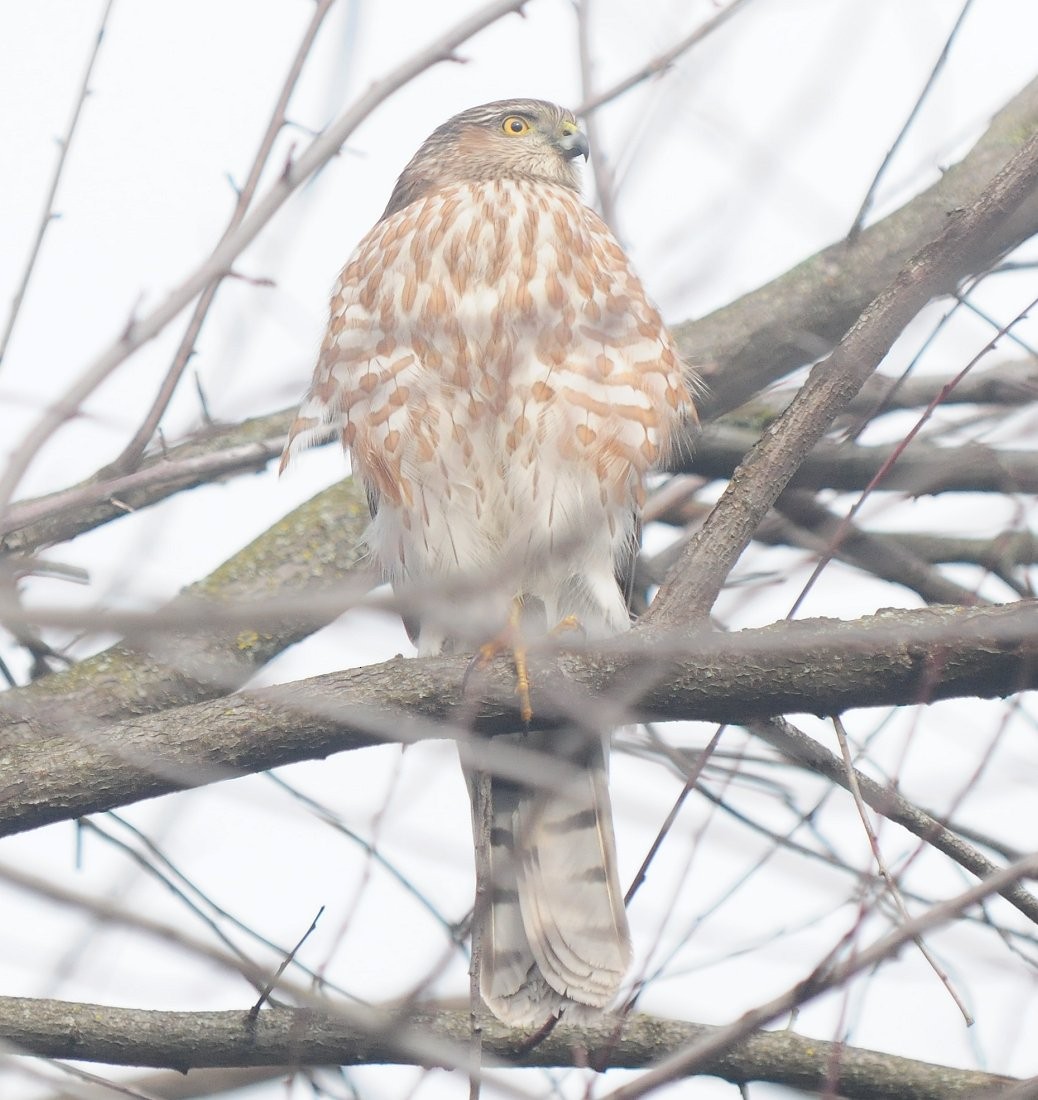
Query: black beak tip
x=575, y=145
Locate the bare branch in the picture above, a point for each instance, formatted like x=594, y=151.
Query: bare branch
x=196, y=1083
x=131, y=455
x=64, y=144
x=799, y=316
x=924, y=469
x=813, y=666
x=965, y=244
x=314, y=550
x=308, y=1037
x=882, y=557
x=891, y=883
x=603, y=174
x=942, y=57
x=210, y=456
x=1012, y=382
x=829, y=975
x=116, y=916
x=662, y=62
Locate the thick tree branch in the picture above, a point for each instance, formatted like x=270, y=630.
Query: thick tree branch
x=801, y=315
x=819, y=666
x=968, y=240
x=923, y=469
x=316, y=548
x=305, y=1037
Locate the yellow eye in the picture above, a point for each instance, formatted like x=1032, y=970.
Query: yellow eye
x=515, y=126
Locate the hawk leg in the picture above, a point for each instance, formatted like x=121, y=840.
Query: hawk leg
x=511, y=640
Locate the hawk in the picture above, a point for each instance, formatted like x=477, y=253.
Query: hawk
x=503, y=385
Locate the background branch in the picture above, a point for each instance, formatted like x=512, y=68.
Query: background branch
x=209, y=456
x=924, y=468
x=141, y=330
x=48, y=215
x=314, y=550
x=133, y=451
x=800, y=316
x=967, y=242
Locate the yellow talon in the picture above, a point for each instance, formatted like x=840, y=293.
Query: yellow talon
x=570, y=622
x=511, y=638
x=522, y=671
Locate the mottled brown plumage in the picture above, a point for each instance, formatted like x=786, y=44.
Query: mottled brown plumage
x=503, y=385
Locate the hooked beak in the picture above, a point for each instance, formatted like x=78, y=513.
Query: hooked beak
x=574, y=144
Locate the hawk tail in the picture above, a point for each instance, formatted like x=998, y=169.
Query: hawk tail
x=556, y=932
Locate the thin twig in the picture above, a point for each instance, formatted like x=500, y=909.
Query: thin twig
x=114, y=915
x=111, y=1087
x=269, y=987
x=884, y=871
x=248, y=966
x=604, y=181
x=795, y=745
x=866, y=203
x=481, y=795
x=131, y=455
x=64, y=143
x=690, y=781
x=662, y=61
x=329, y=818
x=829, y=975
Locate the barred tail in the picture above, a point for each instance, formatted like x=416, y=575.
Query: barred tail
x=556, y=931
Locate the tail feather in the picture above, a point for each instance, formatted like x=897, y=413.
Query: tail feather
x=556, y=932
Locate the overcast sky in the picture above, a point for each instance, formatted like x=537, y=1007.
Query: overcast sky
x=750, y=153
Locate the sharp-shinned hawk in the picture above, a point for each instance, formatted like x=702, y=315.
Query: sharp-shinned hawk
x=503, y=385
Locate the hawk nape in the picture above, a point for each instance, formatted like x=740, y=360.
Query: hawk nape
x=503, y=385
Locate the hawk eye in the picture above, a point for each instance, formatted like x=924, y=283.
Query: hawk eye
x=515, y=126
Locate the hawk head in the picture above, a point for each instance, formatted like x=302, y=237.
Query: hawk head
x=527, y=139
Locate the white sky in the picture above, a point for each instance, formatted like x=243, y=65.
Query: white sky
x=752, y=152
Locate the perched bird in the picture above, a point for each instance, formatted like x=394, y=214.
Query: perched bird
x=503, y=386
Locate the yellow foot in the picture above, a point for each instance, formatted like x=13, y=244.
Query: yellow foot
x=511, y=639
